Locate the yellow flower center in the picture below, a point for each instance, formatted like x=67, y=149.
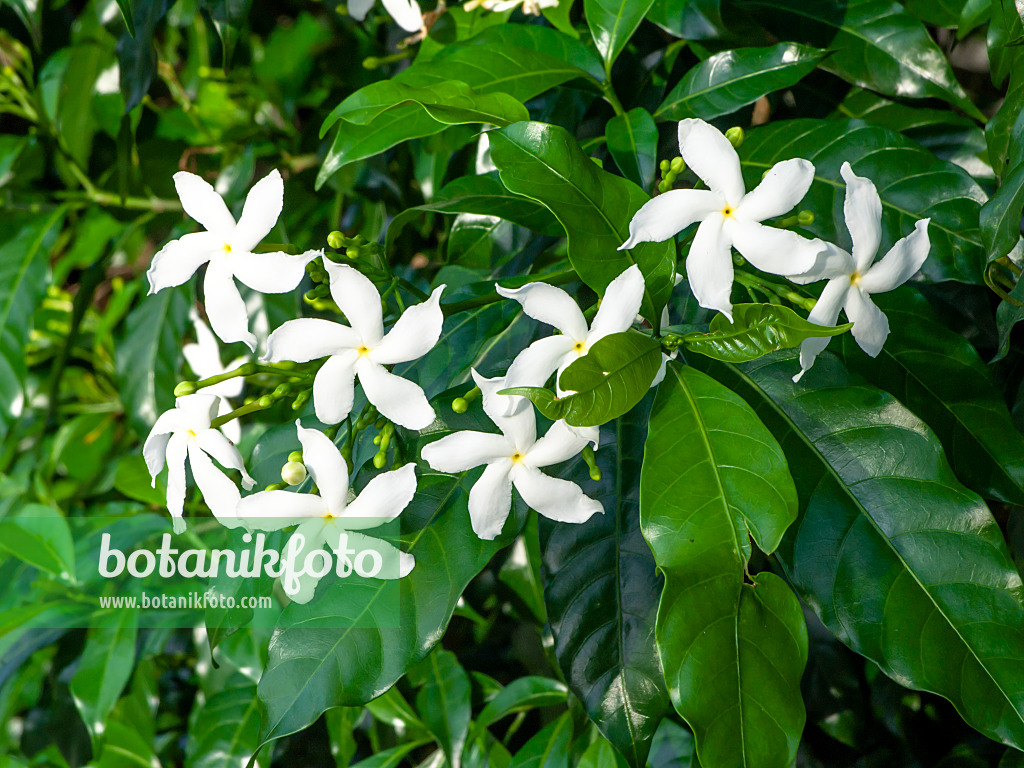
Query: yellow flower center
x=227, y=247
x=328, y=515
x=727, y=212
x=191, y=434
x=362, y=350
x=517, y=457
x=855, y=278
x=580, y=347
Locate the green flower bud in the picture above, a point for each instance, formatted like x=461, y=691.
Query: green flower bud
x=588, y=457
x=285, y=365
x=293, y=472
x=805, y=218
x=301, y=399
x=380, y=459
x=376, y=439
x=335, y=240
x=248, y=369
x=677, y=165
x=664, y=165
x=371, y=62
x=295, y=456
x=735, y=136
x=352, y=252
x=275, y=487
x=266, y=401
x=460, y=405
x=664, y=186
x=185, y=388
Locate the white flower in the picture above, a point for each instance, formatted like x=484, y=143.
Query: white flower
x=323, y=519
x=185, y=432
x=852, y=278
x=530, y=7
x=513, y=458
x=227, y=247
x=203, y=358
x=406, y=13
x=362, y=350
x=729, y=217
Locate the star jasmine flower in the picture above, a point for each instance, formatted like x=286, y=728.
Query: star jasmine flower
x=729, y=216
x=406, y=13
x=362, y=350
x=852, y=278
x=325, y=518
x=184, y=432
x=514, y=459
x=203, y=357
x=227, y=247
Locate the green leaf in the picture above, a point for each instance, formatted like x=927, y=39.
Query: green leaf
x=549, y=748
x=601, y=590
x=132, y=479
x=727, y=81
x=600, y=754
x=690, y=19
x=911, y=181
x=521, y=694
x=105, y=668
x=733, y=652
x=939, y=376
x=756, y=330
x=125, y=7
x=40, y=536
x=612, y=23
x=390, y=758
x=1000, y=216
x=224, y=730
x=606, y=382
x=1005, y=131
x=900, y=561
x=124, y=747
x=341, y=729
x=148, y=357
x=450, y=102
x=443, y=702
x=343, y=662
x=136, y=54
x=544, y=163
x=874, y=44
x=558, y=15
x=632, y=139
x=939, y=13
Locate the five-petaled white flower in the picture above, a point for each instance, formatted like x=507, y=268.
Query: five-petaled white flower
x=362, y=350
x=227, y=247
x=406, y=13
x=513, y=458
x=852, y=278
x=729, y=217
x=185, y=432
x=325, y=518
x=203, y=358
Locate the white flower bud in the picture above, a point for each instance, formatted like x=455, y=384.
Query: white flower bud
x=293, y=472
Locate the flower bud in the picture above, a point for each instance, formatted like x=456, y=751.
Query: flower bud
x=275, y=487
x=185, y=388
x=248, y=369
x=677, y=165
x=266, y=401
x=805, y=218
x=380, y=459
x=335, y=240
x=664, y=165
x=588, y=457
x=293, y=472
x=295, y=456
x=735, y=136
x=371, y=62
x=460, y=405
x=352, y=252
x=664, y=186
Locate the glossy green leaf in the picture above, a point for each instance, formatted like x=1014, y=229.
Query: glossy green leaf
x=105, y=668
x=875, y=45
x=545, y=163
x=521, y=694
x=601, y=754
x=549, y=748
x=125, y=7
x=632, y=139
x=521, y=573
x=343, y=662
x=939, y=13
x=690, y=19
x=1000, y=216
x=124, y=747
x=1005, y=131
x=612, y=23
x=938, y=375
x=341, y=728
x=911, y=181
x=756, y=330
x=443, y=702
x=605, y=383
x=729, y=80
x=900, y=561
x=390, y=758
x=733, y=652
x=136, y=54
x=40, y=536
x=601, y=590
x=558, y=15
x=224, y=730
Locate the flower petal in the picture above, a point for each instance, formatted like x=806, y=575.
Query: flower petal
x=394, y=563
x=901, y=263
x=358, y=9
x=274, y=510
x=383, y=499
x=490, y=500
x=467, y=449
x=560, y=443
x=415, y=333
x=225, y=452
x=357, y=297
x=219, y=491
x=399, y=400
x=779, y=191
x=862, y=209
x=406, y=14
x=309, y=338
x=203, y=355
x=710, y=155
x=534, y=365
x=553, y=497
x=620, y=305
x=709, y=266
x=773, y=250
x=334, y=387
x=308, y=537
x=550, y=305
x=260, y=213
x=198, y=410
x=155, y=447
x=275, y=272
x=177, y=261
x=519, y=425
x=831, y=261
x=233, y=429
x=177, y=450
x=201, y=201
x=670, y=213
x=326, y=466
x=224, y=305
x=870, y=325
x=825, y=312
